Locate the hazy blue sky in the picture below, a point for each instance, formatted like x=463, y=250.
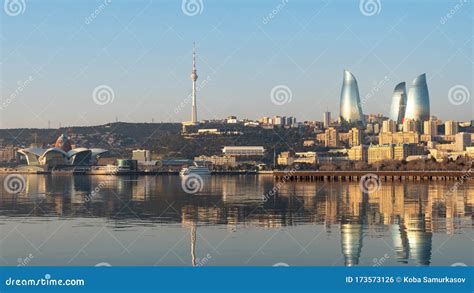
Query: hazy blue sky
x=142, y=50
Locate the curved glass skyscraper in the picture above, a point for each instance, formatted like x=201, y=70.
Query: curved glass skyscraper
x=418, y=102
x=350, y=109
x=399, y=101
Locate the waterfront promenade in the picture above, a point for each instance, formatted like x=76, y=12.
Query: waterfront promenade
x=383, y=175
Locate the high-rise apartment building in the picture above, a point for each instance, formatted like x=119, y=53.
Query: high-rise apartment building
x=389, y=126
x=355, y=137
x=463, y=140
x=430, y=127
x=327, y=119
x=450, y=127
x=409, y=125
x=331, y=138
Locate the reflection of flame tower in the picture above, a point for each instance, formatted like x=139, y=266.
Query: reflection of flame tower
x=194, y=77
x=354, y=210
x=400, y=242
x=419, y=237
x=351, y=239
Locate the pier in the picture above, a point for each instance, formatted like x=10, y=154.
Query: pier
x=300, y=176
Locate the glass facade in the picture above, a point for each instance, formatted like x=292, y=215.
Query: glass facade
x=350, y=109
x=418, y=102
x=399, y=101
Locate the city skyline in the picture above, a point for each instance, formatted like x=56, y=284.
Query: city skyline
x=145, y=78
x=232, y=135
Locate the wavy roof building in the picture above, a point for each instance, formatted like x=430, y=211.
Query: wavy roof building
x=350, y=108
x=399, y=101
x=58, y=156
x=418, y=102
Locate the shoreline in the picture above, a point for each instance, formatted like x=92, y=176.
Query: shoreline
x=126, y=173
x=279, y=175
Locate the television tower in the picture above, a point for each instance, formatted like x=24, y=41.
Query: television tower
x=194, y=77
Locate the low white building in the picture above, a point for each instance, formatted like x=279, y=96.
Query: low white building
x=243, y=151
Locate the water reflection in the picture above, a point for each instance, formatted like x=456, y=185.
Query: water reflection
x=409, y=212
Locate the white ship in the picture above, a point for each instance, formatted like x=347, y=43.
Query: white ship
x=196, y=169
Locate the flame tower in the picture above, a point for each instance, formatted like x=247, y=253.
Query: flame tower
x=351, y=108
x=399, y=101
x=194, y=77
x=418, y=102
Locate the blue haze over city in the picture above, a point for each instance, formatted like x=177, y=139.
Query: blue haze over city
x=143, y=50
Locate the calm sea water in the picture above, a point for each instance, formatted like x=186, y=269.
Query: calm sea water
x=233, y=220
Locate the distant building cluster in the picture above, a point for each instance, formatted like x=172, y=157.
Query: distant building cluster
x=409, y=133
x=279, y=121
